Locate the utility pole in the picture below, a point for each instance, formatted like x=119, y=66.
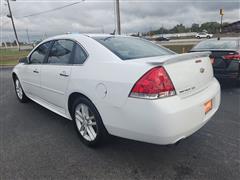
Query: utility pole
x=103, y=31
x=162, y=30
x=14, y=29
x=28, y=36
x=221, y=14
x=9, y=40
x=220, y=30
x=44, y=36
x=118, y=17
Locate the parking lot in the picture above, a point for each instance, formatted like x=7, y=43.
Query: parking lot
x=38, y=144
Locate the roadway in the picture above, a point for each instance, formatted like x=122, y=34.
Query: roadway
x=38, y=144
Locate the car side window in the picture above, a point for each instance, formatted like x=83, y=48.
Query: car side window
x=39, y=54
x=61, y=52
x=80, y=55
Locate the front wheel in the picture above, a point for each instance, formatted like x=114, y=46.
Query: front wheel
x=19, y=91
x=88, y=122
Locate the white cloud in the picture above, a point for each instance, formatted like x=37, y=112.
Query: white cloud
x=96, y=16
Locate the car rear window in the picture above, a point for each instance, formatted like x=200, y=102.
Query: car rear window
x=128, y=48
x=217, y=44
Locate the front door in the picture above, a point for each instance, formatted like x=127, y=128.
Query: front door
x=32, y=71
x=31, y=79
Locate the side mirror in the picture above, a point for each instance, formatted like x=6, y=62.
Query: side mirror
x=23, y=60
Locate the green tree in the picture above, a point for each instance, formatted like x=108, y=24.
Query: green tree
x=210, y=27
x=195, y=27
x=180, y=28
x=161, y=30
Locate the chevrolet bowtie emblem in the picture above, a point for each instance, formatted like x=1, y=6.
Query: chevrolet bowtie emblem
x=202, y=70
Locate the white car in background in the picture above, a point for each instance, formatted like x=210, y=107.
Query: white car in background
x=203, y=35
x=120, y=85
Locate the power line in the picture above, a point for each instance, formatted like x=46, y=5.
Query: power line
x=48, y=11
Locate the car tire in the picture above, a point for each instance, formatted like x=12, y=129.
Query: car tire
x=88, y=123
x=198, y=37
x=208, y=37
x=19, y=91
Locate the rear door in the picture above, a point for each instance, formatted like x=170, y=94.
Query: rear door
x=56, y=73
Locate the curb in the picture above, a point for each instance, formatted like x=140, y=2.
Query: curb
x=7, y=67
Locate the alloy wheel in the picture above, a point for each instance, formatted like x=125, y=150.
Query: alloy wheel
x=18, y=89
x=86, y=123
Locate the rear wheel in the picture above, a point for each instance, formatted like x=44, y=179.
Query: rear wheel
x=88, y=122
x=19, y=91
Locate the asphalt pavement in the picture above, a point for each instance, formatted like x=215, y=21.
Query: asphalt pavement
x=38, y=144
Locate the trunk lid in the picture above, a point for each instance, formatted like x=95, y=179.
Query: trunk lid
x=189, y=73
x=219, y=62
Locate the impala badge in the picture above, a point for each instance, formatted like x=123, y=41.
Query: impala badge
x=202, y=70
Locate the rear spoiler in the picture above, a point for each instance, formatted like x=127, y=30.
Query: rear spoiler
x=183, y=57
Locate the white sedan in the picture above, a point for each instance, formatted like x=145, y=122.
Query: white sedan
x=120, y=85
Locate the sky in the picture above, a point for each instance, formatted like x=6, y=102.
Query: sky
x=98, y=16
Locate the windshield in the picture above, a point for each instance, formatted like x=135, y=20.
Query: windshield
x=128, y=48
x=217, y=44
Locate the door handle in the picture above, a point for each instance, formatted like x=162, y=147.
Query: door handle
x=64, y=74
x=36, y=71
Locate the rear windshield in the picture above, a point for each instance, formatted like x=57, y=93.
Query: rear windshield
x=128, y=48
x=217, y=44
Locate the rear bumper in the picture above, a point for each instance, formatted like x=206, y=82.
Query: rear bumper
x=163, y=121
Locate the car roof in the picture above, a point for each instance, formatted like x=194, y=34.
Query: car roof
x=105, y=35
x=98, y=35
x=237, y=39
x=64, y=36
x=77, y=35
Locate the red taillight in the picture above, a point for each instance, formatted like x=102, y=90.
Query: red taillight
x=154, y=84
x=232, y=57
